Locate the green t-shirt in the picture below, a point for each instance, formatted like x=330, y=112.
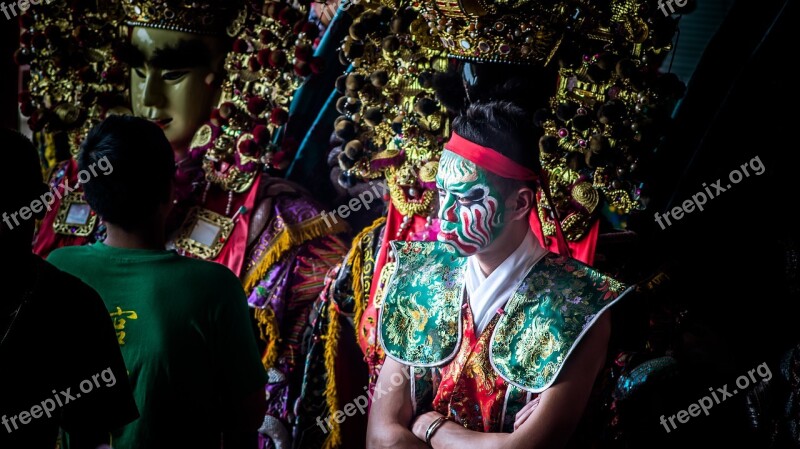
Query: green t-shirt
x=184, y=330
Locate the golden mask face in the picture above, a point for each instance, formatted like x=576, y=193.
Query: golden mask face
x=176, y=82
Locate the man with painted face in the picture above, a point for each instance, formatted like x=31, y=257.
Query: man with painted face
x=492, y=341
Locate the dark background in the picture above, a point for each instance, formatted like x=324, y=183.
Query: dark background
x=732, y=270
x=9, y=39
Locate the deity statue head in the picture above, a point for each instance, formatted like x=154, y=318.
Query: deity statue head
x=175, y=80
x=176, y=57
x=217, y=76
x=159, y=59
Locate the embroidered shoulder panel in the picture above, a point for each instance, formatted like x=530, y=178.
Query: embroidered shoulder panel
x=421, y=311
x=545, y=319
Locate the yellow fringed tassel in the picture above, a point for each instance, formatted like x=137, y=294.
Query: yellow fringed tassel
x=334, y=439
x=49, y=150
x=357, y=257
x=286, y=239
x=270, y=333
x=358, y=287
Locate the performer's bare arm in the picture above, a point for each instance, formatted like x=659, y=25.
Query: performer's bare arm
x=549, y=424
x=391, y=412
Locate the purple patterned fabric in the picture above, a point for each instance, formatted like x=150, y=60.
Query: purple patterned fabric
x=289, y=288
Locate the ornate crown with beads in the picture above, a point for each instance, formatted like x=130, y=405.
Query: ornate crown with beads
x=391, y=125
x=272, y=55
x=196, y=16
x=611, y=107
x=73, y=79
x=510, y=31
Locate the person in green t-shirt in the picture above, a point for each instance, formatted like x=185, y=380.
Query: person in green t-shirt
x=182, y=324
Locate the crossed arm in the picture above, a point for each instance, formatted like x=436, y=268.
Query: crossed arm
x=546, y=425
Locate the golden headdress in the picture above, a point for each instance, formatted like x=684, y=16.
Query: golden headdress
x=76, y=73
x=271, y=57
x=511, y=31
x=74, y=79
x=611, y=107
x=392, y=126
x=611, y=104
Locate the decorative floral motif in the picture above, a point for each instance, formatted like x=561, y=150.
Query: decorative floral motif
x=543, y=321
x=419, y=314
x=546, y=317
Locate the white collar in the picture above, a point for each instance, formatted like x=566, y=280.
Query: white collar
x=487, y=294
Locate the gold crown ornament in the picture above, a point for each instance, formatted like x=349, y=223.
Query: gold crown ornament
x=219, y=17
x=391, y=125
x=510, y=31
x=272, y=55
x=73, y=79
x=610, y=109
x=76, y=77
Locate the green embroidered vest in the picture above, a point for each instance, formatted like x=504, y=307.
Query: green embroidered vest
x=543, y=321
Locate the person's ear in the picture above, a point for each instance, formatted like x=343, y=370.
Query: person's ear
x=525, y=200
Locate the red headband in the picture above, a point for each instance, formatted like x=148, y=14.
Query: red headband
x=489, y=159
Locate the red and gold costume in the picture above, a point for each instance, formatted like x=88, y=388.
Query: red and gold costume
x=469, y=391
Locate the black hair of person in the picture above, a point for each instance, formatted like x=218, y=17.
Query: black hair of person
x=142, y=169
x=465, y=83
x=506, y=128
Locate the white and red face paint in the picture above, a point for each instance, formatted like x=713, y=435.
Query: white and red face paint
x=471, y=210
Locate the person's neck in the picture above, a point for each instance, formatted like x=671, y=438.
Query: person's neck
x=511, y=239
x=150, y=237
x=180, y=153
